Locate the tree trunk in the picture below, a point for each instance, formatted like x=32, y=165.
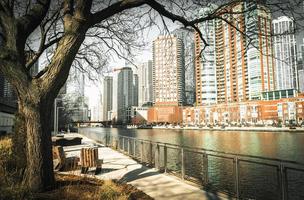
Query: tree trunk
x=19, y=146
x=39, y=173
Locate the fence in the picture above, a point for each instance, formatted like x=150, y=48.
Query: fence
x=239, y=176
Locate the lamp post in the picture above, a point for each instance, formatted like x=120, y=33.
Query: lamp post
x=57, y=118
x=56, y=115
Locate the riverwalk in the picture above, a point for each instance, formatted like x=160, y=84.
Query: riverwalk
x=158, y=185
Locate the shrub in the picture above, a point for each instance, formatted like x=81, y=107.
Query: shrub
x=10, y=185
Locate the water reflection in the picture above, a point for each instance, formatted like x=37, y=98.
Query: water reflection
x=256, y=181
x=282, y=145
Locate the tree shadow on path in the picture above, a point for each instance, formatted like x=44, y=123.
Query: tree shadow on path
x=137, y=174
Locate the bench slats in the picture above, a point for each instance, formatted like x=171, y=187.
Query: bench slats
x=88, y=157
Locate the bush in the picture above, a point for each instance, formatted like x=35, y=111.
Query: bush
x=10, y=181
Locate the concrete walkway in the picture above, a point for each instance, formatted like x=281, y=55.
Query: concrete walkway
x=157, y=185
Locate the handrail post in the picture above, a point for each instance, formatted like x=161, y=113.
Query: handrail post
x=165, y=158
x=237, y=178
x=129, y=146
x=157, y=158
x=205, y=168
x=123, y=144
x=282, y=180
x=183, y=163
x=151, y=155
x=142, y=151
x=134, y=148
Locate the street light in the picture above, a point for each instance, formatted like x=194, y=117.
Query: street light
x=56, y=115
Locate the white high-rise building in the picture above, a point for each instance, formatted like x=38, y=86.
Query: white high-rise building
x=286, y=75
x=301, y=67
x=145, y=84
x=125, y=93
x=168, y=71
x=205, y=63
x=107, y=98
x=135, y=90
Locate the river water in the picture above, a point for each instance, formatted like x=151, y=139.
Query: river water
x=256, y=182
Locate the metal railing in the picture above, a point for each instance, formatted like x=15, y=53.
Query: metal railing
x=240, y=176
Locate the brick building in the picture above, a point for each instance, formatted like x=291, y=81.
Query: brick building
x=285, y=110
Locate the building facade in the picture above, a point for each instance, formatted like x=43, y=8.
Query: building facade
x=285, y=53
x=125, y=93
x=260, y=60
x=205, y=62
x=261, y=112
x=145, y=83
x=168, y=71
x=187, y=37
x=243, y=53
x=301, y=67
x=107, y=98
x=135, y=90
x=283, y=111
x=231, y=60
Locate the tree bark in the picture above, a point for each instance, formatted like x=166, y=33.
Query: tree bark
x=19, y=145
x=39, y=173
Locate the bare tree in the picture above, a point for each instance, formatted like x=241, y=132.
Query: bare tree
x=73, y=29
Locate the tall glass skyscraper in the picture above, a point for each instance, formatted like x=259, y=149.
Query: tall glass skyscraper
x=145, y=84
x=205, y=62
x=285, y=53
x=259, y=50
x=125, y=95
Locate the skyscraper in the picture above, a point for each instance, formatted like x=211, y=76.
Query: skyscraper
x=107, y=97
x=260, y=59
x=135, y=90
x=285, y=53
x=125, y=93
x=243, y=53
x=301, y=67
x=231, y=57
x=168, y=71
x=145, y=88
x=205, y=62
x=187, y=37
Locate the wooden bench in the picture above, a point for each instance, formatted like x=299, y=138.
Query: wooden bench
x=66, y=141
x=61, y=162
x=89, y=158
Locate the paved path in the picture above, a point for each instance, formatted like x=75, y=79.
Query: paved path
x=157, y=185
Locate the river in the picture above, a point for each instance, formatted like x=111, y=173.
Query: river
x=279, y=145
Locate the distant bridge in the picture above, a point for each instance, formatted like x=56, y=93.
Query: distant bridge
x=104, y=123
